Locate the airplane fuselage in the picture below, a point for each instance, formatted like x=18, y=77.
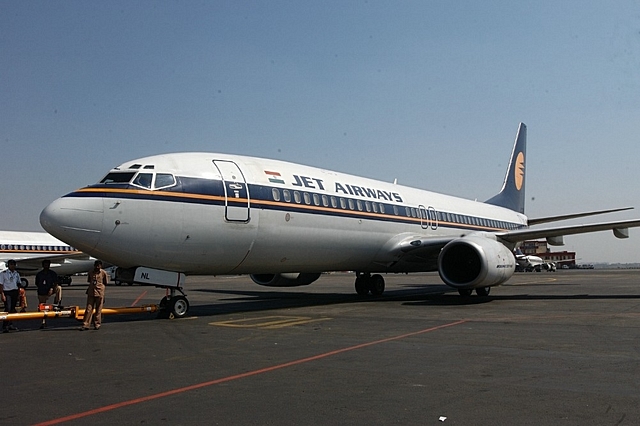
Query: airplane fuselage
x=227, y=214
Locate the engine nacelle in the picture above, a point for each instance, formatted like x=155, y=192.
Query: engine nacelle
x=284, y=280
x=475, y=261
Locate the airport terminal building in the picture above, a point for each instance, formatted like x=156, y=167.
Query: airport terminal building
x=542, y=250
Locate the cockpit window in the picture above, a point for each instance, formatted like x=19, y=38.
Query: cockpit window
x=143, y=180
x=117, y=177
x=164, y=180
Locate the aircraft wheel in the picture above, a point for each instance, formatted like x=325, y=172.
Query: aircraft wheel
x=24, y=283
x=361, y=285
x=118, y=282
x=465, y=292
x=376, y=285
x=163, y=312
x=483, y=291
x=179, y=306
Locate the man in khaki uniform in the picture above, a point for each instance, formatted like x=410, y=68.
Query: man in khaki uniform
x=98, y=280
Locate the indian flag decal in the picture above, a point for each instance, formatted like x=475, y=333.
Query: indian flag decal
x=274, y=177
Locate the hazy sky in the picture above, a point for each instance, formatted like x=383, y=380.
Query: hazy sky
x=428, y=92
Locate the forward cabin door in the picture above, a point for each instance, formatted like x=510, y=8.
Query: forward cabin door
x=236, y=191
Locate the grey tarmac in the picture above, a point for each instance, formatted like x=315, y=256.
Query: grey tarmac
x=545, y=348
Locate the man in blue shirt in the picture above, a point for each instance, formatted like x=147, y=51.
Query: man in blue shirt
x=9, y=289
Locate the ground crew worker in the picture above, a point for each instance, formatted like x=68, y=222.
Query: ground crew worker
x=9, y=288
x=98, y=279
x=47, y=284
x=22, y=300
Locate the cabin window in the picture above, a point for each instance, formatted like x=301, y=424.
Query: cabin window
x=374, y=206
x=164, y=180
x=307, y=198
x=143, y=180
x=367, y=205
x=334, y=202
x=275, y=193
x=287, y=195
x=296, y=197
x=359, y=202
x=382, y=209
x=343, y=203
x=316, y=199
x=352, y=204
x=325, y=201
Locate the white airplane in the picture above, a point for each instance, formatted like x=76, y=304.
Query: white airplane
x=530, y=263
x=166, y=216
x=29, y=249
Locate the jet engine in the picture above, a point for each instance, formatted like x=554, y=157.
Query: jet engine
x=475, y=261
x=284, y=280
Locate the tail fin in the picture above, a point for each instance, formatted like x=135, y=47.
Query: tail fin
x=511, y=195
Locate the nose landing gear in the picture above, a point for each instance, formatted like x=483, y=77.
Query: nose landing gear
x=172, y=306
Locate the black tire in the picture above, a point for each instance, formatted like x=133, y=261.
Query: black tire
x=179, y=306
x=465, y=292
x=163, y=311
x=376, y=285
x=361, y=285
x=24, y=283
x=483, y=291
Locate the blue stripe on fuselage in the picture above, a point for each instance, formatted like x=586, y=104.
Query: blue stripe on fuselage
x=211, y=192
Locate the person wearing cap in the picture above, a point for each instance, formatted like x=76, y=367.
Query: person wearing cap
x=98, y=279
x=9, y=290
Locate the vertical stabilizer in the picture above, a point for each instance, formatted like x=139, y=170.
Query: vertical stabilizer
x=511, y=195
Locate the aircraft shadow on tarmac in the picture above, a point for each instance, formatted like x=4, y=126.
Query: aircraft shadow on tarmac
x=454, y=299
x=245, y=301
x=266, y=300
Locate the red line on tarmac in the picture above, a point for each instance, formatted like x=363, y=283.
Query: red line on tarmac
x=239, y=376
x=138, y=299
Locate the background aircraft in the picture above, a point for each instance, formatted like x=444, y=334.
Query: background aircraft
x=165, y=216
x=29, y=249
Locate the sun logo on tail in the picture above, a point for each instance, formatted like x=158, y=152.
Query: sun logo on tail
x=519, y=171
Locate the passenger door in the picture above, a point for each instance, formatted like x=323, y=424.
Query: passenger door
x=236, y=191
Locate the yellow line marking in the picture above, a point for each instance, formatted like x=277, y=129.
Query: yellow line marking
x=271, y=322
x=308, y=321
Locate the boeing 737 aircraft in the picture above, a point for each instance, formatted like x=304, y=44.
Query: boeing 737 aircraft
x=29, y=249
x=166, y=216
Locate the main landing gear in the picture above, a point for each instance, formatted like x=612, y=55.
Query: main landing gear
x=367, y=283
x=172, y=306
x=480, y=291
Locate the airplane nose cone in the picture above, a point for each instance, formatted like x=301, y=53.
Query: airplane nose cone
x=74, y=220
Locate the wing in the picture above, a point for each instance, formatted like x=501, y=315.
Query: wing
x=547, y=219
x=31, y=264
x=418, y=248
x=413, y=248
x=553, y=235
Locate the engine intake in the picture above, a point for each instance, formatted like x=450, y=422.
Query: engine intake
x=475, y=261
x=284, y=280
